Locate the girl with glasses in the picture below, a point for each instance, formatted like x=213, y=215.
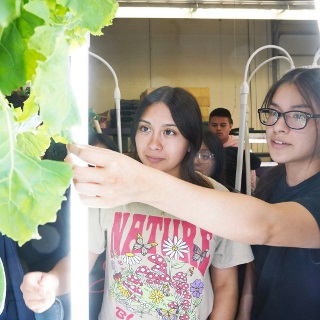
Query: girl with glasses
x=283, y=219
x=157, y=265
x=210, y=159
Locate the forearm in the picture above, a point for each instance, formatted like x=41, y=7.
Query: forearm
x=207, y=208
x=225, y=287
x=246, y=300
x=62, y=272
x=225, y=306
x=233, y=216
x=40, y=289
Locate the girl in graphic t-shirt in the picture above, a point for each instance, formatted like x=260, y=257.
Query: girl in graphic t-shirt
x=157, y=266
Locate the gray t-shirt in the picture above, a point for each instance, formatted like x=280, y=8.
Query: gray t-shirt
x=157, y=266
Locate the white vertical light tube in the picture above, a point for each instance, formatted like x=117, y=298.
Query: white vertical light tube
x=79, y=213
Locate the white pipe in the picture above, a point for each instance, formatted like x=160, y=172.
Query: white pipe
x=316, y=58
x=117, y=98
x=244, y=116
x=244, y=91
x=263, y=63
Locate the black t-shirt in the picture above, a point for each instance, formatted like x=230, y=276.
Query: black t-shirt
x=288, y=279
x=43, y=254
x=231, y=154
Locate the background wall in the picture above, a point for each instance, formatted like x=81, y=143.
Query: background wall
x=195, y=53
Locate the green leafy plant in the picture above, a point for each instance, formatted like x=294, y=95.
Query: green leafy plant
x=36, y=39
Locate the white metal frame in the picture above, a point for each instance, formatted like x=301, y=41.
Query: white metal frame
x=244, y=115
x=117, y=98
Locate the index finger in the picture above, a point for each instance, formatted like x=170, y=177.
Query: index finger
x=93, y=155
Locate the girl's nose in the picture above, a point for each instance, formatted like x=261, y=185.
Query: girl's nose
x=155, y=142
x=280, y=126
x=196, y=160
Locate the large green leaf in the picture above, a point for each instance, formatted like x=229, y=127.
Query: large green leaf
x=53, y=90
x=44, y=39
x=2, y=287
x=17, y=61
x=12, y=49
x=38, y=8
x=93, y=14
x=31, y=190
x=33, y=144
x=9, y=9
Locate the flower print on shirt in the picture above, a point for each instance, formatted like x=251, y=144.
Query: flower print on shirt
x=176, y=248
x=130, y=258
x=196, y=288
x=158, y=285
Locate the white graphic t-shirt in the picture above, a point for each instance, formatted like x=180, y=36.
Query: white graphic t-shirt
x=157, y=266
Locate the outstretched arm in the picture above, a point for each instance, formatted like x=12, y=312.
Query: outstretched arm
x=118, y=179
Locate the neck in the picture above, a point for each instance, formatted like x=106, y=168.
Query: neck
x=297, y=174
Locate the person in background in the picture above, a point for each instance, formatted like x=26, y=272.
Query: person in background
x=102, y=140
x=210, y=160
x=43, y=254
x=283, y=219
x=14, y=306
x=221, y=123
x=157, y=266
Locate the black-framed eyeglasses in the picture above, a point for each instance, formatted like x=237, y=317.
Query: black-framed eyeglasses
x=204, y=156
x=296, y=120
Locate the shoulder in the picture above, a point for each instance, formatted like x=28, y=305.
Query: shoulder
x=233, y=141
x=216, y=185
x=308, y=194
x=232, y=151
x=130, y=208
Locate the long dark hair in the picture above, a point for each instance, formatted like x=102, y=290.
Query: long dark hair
x=215, y=146
x=186, y=114
x=307, y=82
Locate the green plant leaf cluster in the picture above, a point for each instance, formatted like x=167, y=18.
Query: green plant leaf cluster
x=36, y=40
x=31, y=189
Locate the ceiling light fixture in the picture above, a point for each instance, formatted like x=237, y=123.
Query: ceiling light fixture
x=216, y=13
